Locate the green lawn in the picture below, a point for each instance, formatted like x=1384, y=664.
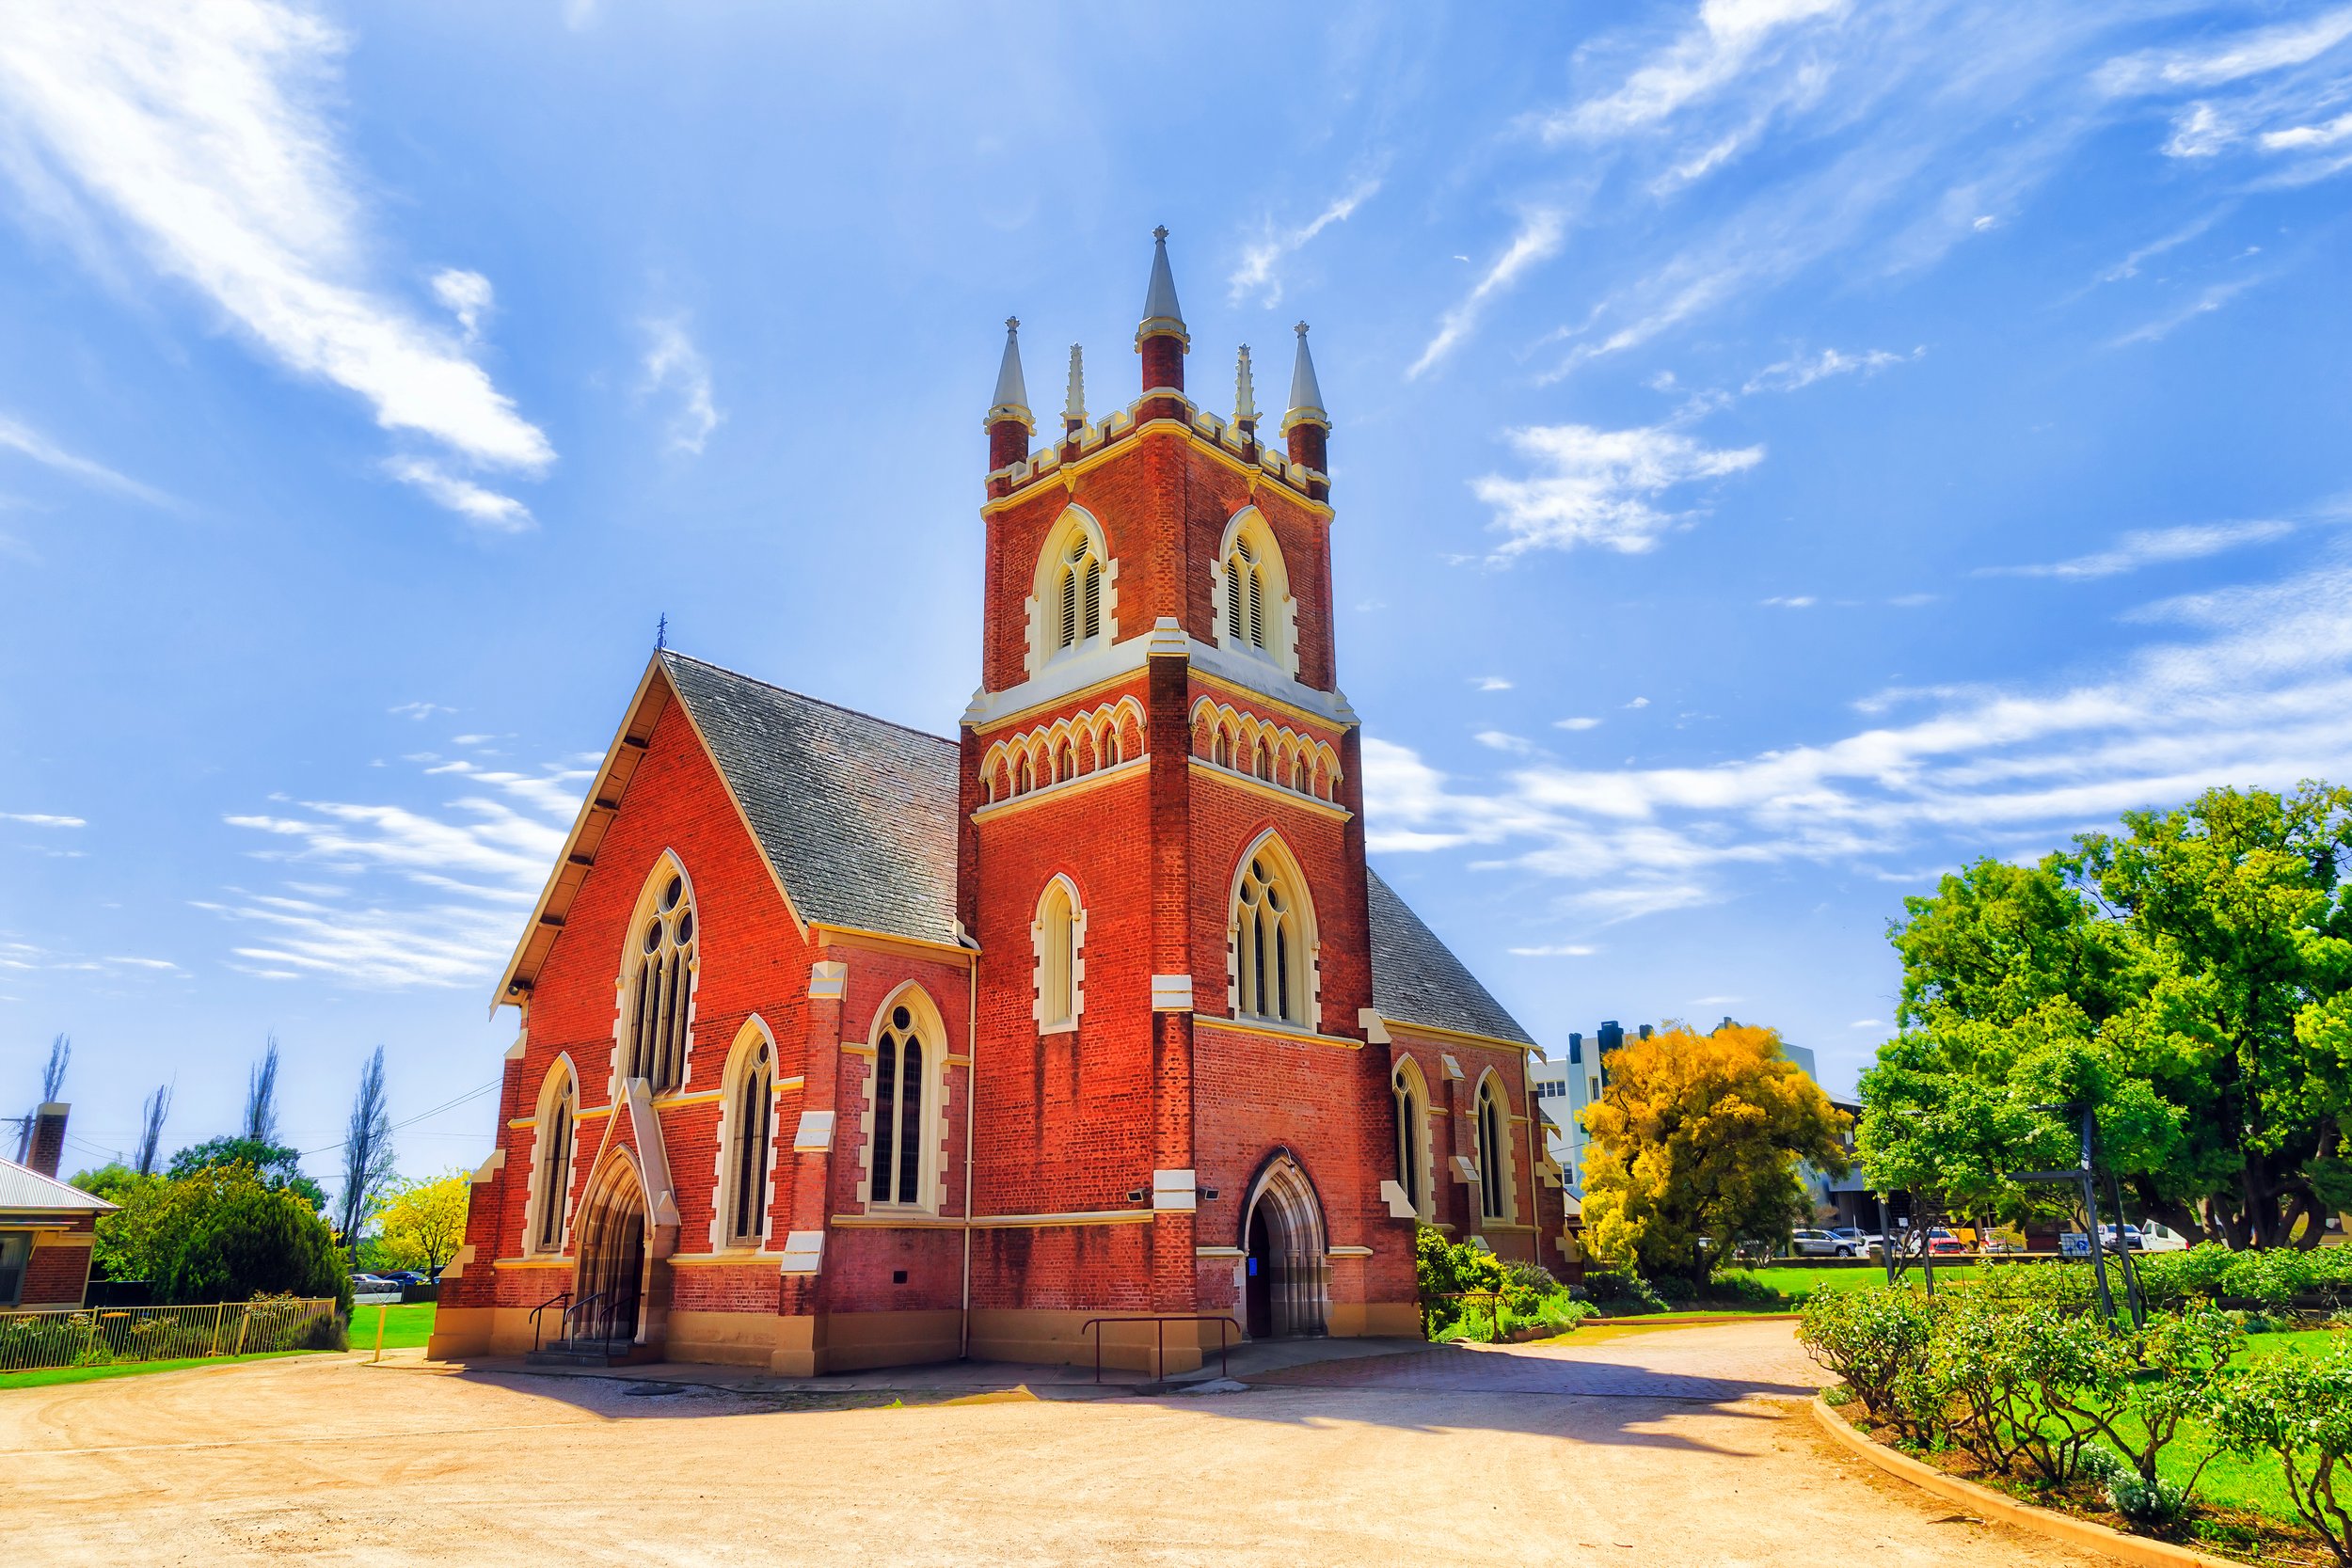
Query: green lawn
x=51, y=1376
x=1803, y=1281
x=405, y=1327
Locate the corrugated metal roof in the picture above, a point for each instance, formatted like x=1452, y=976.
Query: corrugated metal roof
x=22, y=1189
x=1417, y=979
x=857, y=814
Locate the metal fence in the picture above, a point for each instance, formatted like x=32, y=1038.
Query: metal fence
x=106, y=1336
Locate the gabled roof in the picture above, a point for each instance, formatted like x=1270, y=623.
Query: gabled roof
x=22, y=1188
x=1417, y=979
x=856, y=815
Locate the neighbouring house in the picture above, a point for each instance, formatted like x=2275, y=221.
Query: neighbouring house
x=848, y=1045
x=46, y=1226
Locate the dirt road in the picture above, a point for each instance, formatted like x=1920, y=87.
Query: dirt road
x=1666, y=1447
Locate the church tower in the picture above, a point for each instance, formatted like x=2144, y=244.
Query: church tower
x=1162, y=862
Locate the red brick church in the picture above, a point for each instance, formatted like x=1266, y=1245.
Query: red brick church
x=848, y=1045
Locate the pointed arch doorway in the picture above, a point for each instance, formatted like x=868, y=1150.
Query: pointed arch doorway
x=609, y=1295
x=1286, y=1276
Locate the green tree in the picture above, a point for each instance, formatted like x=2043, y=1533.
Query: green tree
x=424, y=1222
x=1695, y=1147
x=2190, y=978
x=117, y=1184
x=220, y=1233
x=276, y=1163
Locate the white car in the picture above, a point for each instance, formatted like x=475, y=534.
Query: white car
x=2155, y=1237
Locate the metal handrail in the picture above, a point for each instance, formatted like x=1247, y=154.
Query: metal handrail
x=559, y=1296
x=1159, y=1361
x=571, y=1333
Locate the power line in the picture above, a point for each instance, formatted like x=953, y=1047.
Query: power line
x=421, y=1115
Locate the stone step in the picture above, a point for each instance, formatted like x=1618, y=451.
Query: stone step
x=592, y=1353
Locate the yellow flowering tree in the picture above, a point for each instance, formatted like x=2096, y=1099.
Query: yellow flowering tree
x=1695, y=1143
x=424, y=1222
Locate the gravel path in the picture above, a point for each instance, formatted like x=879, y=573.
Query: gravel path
x=1673, y=1447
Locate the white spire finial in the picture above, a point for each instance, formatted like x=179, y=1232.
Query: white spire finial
x=1306, y=394
x=1074, y=407
x=1245, y=391
x=1013, y=392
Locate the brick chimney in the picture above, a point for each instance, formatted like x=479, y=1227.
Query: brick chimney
x=48, y=1137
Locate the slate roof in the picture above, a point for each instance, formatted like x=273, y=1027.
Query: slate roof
x=22, y=1188
x=1417, y=979
x=857, y=814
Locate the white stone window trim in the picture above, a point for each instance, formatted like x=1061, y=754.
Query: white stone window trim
x=560, y=1072
x=1407, y=1082
x=1040, y=935
x=632, y=952
x=748, y=1040
x=1506, y=1182
x=1036, y=753
x=1271, y=845
x=1281, y=631
x=1241, y=734
x=1041, y=609
x=931, y=1180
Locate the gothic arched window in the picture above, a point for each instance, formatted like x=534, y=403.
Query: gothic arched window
x=1494, y=1152
x=1058, y=930
x=552, y=1176
x=750, y=1114
x=1270, y=941
x=1412, y=1135
x=1245, y=595
x=661, y=981
x=905, y=1106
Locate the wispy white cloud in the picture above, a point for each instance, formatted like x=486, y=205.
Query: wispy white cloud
x=1558, y=950
x=1600, y=487
x=1792, y=601
x=2206, y=301
x=1727, y=38
x=1538, y=240
x=1576, y=723
x=42, y=819
x=419, y=710
x=202, y=132
x=2247, y=53
x=455, y=879
x=2152, y=548
x=676, y=366
x=477, y=504
x=2249, y=686
x=22, y=438
x=1490, y=683
x=467, y=296
x=1804, y=369
x=1257, y=271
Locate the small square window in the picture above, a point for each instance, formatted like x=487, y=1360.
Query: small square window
x=898, y=1277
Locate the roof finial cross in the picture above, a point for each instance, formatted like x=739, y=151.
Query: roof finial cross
x=661, y=632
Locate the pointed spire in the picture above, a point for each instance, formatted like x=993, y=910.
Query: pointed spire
x=1013, y=391
x=1162, y=315
x=1245, y=393
x=1306, y=394
x=1074, y=408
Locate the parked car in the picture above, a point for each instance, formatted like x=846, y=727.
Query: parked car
x=1860, y=1240
x=401, y=1276
x=1820, y=1243
x=2158, y=1237
x=1942, y=1242
x=372, y=1285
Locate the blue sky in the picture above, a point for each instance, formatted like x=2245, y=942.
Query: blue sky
x=1783, y=450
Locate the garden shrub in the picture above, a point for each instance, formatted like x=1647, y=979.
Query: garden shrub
x=1623, y=1291
x=1876, y=1340
x=2297, y=1409
x=1743, y=1287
